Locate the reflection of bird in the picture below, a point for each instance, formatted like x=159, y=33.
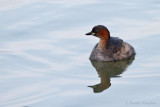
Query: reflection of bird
x=106, y=70
x=109, y=48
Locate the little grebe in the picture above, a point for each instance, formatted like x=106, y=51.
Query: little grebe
x=109, y=48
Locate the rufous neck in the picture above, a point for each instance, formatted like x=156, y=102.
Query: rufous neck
x=102, y=44
x=104, y=36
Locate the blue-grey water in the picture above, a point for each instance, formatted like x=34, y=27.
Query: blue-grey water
x=44, y=54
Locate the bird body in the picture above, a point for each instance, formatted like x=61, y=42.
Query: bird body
x=109, y=48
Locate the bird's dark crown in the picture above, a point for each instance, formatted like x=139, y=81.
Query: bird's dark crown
x=98, y=28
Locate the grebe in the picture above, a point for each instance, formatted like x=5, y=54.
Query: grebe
x=109, y=48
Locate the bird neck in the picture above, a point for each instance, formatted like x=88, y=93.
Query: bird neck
x=104, y=36
x=102, y=45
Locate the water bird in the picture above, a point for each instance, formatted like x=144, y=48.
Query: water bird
x=109, y=48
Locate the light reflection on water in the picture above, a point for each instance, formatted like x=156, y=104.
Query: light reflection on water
x=44, y=52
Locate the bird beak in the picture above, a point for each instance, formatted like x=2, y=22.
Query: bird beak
x=90, y=33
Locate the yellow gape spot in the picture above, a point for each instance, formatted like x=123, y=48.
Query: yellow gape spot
x=92, y=33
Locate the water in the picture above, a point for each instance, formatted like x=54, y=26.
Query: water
x=44, y=54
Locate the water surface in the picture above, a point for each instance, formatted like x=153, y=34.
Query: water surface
x=44, y=54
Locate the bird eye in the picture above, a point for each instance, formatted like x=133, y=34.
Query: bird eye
x=94, y=31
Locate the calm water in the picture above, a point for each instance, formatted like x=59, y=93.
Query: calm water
x=44, y=54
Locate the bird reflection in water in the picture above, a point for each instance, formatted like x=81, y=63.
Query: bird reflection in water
x=107, y=70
